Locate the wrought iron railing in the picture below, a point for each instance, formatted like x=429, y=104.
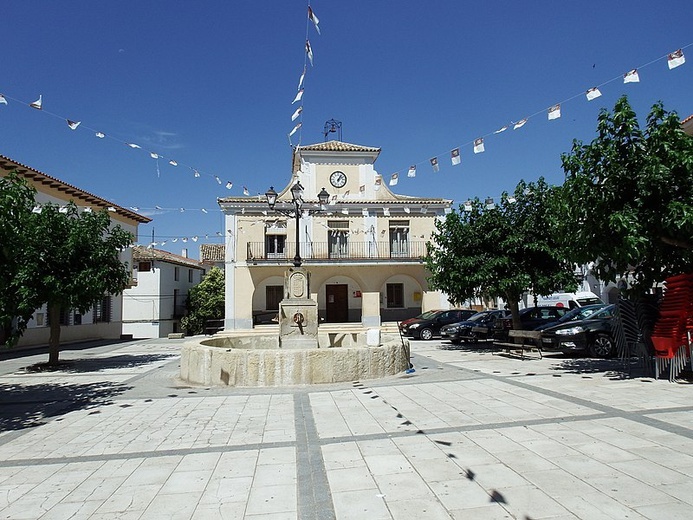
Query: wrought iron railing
x=331, y=252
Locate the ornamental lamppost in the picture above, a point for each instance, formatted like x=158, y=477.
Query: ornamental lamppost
x=297, y=211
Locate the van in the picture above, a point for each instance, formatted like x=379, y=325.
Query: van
x=570, y=300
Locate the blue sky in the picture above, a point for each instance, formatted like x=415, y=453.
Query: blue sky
x=209, y=84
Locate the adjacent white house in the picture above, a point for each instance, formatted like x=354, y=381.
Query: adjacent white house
x=154, y=305
x=103, y=321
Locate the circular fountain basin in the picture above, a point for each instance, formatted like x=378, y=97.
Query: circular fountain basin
x=258, y=360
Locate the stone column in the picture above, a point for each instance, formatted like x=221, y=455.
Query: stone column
x=370, y=309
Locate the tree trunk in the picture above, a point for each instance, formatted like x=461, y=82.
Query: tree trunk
x=514, y=307
x=54, y=341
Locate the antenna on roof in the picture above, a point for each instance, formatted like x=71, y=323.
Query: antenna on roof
x=333, y=126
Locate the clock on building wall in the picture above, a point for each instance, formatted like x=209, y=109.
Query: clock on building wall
x=338, y=179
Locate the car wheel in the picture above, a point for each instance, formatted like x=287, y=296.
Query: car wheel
x=426, y=334
x=602, y=346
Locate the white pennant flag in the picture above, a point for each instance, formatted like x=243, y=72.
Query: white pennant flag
x=314, y=19
x=3, y=101
x=309, y=52
x=218, y=180
x=592, y=93
x=173, y=163
x=479, y=145
x=246, y=192
x=631, y=76
x=554, y=112
x=455, y=157
x=412, y=171
x=386, y=212
x=520, y=124
x=300, y=80
x=364, y=212
x=39, y=102
x=468, y=205
x=675, y=59
x=501, y=129
x=406, y=209
x=133, y=145
x=153, y=155
x=298, y=97
x=378, y=182
x=297, y=113
x=394, y=179
x=203, y=210
x=100, y=135
x=196, y=173
x=434, y=164
x=294, y=129
x=73, y=124
x=229, y=185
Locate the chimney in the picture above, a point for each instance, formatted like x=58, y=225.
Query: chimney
x=184, y=253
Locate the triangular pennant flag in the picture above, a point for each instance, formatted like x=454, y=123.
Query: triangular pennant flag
x=153, y=155
x=39, y=102
x=378, y=182
x=554, y=112
x=346, y=194
x=434, y=164
x=345, y=211
x=133, y=145
x=184, y=239
x=520, y=124
x=424, y=209
x=37, y=209
x=203, y=210
x=89, y=210
x=245, y=191
x=158, y=207
x=364, y=212
x=63, y=209
x=196, y=173
x=314, y=19
x=406, y=209
x=455, y=157
x=592, y=93
x=631, y=76
x=182, y=210
x=173, y=163
x=501, y=129
x=468, y=205
x=3, y=101
x=479, y=145
x=394, y=179
x=217, y=179
x=194, y=239
x=300, y=80
x=297, y=113
x=412, y=171
x=295, y=129
x=362, y=188
x=386, y=212
x=100, y=135
x=309, y=52
x=229, y=185
x=676, y=59
x=174, y=240
x=73, y=124
x=298, y=97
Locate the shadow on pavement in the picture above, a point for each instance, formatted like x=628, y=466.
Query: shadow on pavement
x=20, y=352
x=99, y=364
x=479, y=346
x=26, y=406
x=612, y=368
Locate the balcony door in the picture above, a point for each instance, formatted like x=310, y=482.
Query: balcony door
x=337, y=303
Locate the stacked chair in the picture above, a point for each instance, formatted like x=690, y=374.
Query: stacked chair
x=671, y=336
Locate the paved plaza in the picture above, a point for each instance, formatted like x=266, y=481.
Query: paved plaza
x=470, y=434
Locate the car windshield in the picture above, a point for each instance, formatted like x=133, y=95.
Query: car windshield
x=606, y=312
x=427, y=315
x=479, y=316
x=579, y=313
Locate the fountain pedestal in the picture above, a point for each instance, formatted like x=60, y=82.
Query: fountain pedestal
x=298, y=313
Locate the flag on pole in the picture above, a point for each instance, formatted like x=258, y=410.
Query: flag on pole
x=73, y=124
x=554, y=112
x=39, y=102
x=520, y=124
x=314, y=19
x=501, y=129
x=298, y=97
x=434, y=164
x=309, y=52
x=300, y=80
x=394, y=179
x=455, y=157
x=297, y=113
x=592, y=93
x=676, y=59
x=631, y=76
x=412, y=171
x=479, y=145
x=3, y=101
x=295, y=129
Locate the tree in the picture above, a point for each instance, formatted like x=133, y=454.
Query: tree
x=205, y=302
x=501, y=250
x=17, y=303
x=628, y=197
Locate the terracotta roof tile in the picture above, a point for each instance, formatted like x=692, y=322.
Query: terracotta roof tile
x=212, y=252
x=140, y=253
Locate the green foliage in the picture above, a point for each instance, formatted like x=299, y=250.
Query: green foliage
x=205, y=301
x=501, y=251
x=628, y=197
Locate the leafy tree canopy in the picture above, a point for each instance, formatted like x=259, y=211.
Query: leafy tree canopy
x=628, y=197
x=205, y=301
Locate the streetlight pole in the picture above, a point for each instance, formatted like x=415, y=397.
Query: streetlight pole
x=297, y=199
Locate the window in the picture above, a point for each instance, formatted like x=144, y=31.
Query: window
x=77, y=318
x=176, y=273
x=395, y=295
x=274, y=245
x=338, y=231
x=102, y=310
x=399, y=238
x=273, y=295
x=190, y=275
x=144, y=267
x=64, y=316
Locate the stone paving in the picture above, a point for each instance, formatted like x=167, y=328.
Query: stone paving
x=470, y=434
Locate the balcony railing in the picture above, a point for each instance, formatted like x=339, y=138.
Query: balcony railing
x=325, y=252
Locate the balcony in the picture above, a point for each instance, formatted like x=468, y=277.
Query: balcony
x=326, y=252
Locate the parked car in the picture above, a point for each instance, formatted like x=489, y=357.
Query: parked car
x=592, y=335
x=577, y=314
x=426, y=328
x=477, y=327
x=570, y=300
x=530, y=319
x=404, y=324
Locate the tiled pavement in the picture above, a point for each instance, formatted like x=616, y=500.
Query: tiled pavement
x=469, y=435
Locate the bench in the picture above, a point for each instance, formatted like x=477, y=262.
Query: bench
x=522, y=340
